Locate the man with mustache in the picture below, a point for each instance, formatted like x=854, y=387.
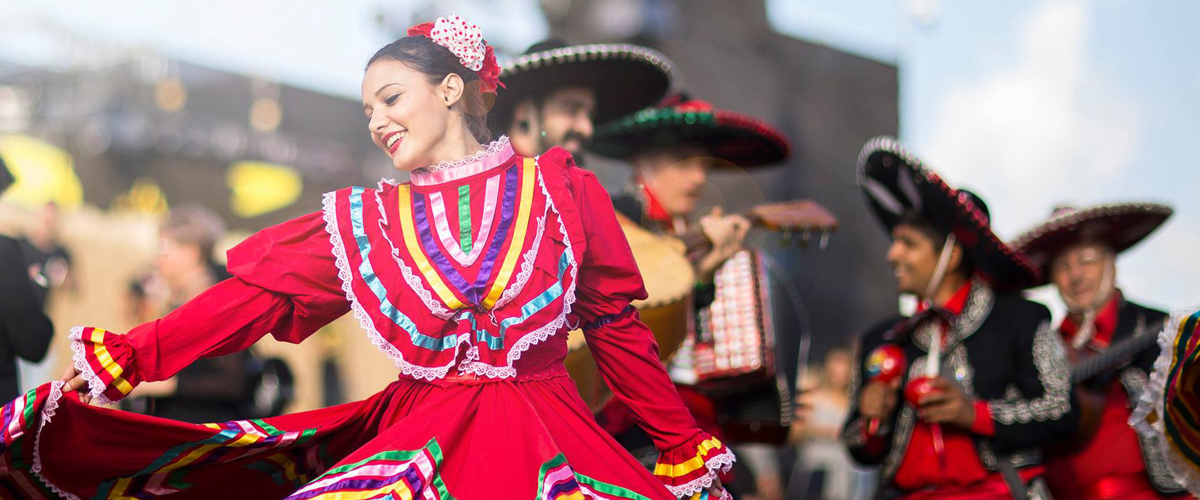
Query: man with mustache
x=1077, y=248
x=672, y=147
x=556, y=95
x=986, y=384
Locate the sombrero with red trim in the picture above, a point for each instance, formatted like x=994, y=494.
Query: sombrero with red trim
x=1119, y=225
x=896, y=183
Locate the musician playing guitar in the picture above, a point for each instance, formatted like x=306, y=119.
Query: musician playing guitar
x=672, y=147
x=1078, y=249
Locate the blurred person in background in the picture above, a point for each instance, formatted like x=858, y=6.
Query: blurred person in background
x=210, y=389
x=824, y=469
x=671, y=159
x=49, y=260
x=482, y=406
x=1077, y=248
x=557, y=94
x=985, y=385
x=25, y=331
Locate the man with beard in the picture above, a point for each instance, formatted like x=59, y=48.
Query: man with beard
x=1078, y=248
x=556, y=95
x=986, y=384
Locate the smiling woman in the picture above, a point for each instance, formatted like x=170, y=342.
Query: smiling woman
x=468, y=279
x=423, y=105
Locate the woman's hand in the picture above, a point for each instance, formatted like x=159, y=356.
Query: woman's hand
x=716, y=490
x=74, y=382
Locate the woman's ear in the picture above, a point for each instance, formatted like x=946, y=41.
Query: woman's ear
x=451, y=90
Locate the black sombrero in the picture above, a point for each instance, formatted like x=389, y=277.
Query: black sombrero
x=740, y=139
x=626, y=77
x=1119, y=225
x=896, y=183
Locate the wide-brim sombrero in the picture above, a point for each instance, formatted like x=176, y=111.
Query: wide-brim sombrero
x=625, y=78
x=737, y=138
x=896, y=183
x=1118, y=225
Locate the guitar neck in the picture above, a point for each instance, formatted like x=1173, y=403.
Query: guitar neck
x=1113, y=356
x=696, y=242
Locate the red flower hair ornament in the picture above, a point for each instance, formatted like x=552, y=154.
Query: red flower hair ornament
x=466, y=42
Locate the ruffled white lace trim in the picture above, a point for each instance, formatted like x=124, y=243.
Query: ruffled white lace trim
x=716, y=464
x=492, y=148
x=471, y=363
x=1182, y=470
x=79, y=358
x=545, y=331
x=48, y=411
x=364, y=320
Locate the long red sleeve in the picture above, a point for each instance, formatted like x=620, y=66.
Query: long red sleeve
x=626, y=352
x=285, y=283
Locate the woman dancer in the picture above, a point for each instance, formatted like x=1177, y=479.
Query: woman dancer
x=468, y=277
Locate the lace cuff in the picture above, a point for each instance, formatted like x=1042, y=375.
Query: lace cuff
x=1161, y=414
x=691, y=467
x=105, y=360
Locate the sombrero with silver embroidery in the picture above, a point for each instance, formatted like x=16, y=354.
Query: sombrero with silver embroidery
x=1119, y=225
x=897, y=183
x=625, y=77
x=737, y=138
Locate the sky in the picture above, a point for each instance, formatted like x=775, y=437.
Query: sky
x=1031, y=104
x=1035, y=104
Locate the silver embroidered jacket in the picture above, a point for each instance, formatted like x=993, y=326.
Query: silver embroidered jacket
x=1135, y=320
x=1002, y=350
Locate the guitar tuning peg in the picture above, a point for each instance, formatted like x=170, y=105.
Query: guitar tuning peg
x=824, y=239
x=805, y=237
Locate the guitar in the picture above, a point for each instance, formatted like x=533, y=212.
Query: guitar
x=669, y=278
x=1092, y=402
x=804, y=216
x=1088, y=367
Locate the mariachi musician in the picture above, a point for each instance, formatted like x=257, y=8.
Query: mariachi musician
x=556, y=94
x=671, y=148
x=1077, y=248
x=986, y=384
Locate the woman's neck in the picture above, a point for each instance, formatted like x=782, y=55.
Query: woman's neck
x=459, y=143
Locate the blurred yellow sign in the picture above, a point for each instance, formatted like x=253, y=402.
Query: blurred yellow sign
x=260, y=188
x=145, y=197
x=44, y=172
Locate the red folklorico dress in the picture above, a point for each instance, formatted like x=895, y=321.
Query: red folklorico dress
x=469, y=278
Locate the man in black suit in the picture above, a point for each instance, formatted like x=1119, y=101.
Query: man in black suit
x=25, y=331
x=1078, y=248
x=986, y=384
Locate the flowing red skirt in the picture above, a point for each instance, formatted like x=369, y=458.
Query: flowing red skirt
x=462, y=438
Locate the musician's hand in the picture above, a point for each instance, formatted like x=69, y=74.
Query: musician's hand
x=947, y=404
x=727, y=233
x=878, y=399
x=74, y=382
x=802, y=405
